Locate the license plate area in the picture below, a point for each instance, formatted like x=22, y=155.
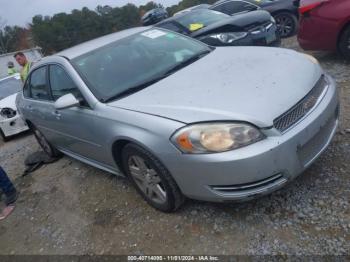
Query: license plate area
x=316, y=144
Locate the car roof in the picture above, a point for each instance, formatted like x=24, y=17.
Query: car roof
x=91, y=45
x=175, y=18
x=249, y=1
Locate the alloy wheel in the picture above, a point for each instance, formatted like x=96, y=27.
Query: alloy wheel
x=147, y=179
x=285, y=25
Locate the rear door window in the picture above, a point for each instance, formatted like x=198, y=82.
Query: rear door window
x=38, y=84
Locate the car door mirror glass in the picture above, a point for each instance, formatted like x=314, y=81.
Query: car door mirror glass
x=66, y=101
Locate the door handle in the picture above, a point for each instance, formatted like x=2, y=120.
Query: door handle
x=57, y=114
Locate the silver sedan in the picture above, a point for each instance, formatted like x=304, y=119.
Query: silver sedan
x=180, y=118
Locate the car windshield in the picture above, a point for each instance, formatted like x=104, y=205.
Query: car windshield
x=10, y=86
x=198, y=19
x=136, y=61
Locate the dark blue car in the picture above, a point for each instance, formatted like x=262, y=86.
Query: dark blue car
x=154, y=16
x=285, y=12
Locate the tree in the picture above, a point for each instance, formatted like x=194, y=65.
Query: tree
x=64, y=30
x=12, y=38
x=149, y=6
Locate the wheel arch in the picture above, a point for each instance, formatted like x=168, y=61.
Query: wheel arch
x=117, y=149
x=29, y=123
x=118, y=146
x=341, y=32
x=279, y=11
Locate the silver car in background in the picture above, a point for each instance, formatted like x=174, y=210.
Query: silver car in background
x=180, y=118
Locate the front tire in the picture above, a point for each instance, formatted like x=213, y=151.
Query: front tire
x=151, y=179
x=287, y=24
x=50, y=150
x=344, y=43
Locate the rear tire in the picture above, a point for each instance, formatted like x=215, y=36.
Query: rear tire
x=287, y=24
x=49, y=149
x=344, y=43
x=151, y=179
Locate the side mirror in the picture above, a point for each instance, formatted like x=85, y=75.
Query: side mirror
x=66, y=101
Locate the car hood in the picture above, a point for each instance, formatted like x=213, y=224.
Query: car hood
x=253, y=84
x=9, y=101
x=239, y=22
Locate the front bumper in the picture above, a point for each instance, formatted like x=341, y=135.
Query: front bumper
x=260, y=168
x=12, y=126
x=269, y=38
x=317, y=33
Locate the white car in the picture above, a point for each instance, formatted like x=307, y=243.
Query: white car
x=11, y=122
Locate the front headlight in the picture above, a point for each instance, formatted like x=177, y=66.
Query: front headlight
x=8, y=112
x=228, y=38
x=215, y=137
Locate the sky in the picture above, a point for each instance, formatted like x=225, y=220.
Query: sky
x=20, y=12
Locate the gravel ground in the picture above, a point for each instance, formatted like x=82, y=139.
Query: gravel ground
x=70, y=208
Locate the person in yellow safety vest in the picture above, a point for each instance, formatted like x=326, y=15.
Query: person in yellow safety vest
x=26, y=65
x=11, y=68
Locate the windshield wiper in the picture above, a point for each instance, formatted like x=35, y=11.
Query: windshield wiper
x=133, y=89
x=186, y=62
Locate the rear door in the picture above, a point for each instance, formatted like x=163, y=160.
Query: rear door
x=37, y=103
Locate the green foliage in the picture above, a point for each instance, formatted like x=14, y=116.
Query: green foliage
x=64, y=30
x=11, y=38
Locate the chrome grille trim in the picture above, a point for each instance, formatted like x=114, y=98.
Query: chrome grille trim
x=303, y=107
x=243, y=191
x=240, y=188
x=258, y=29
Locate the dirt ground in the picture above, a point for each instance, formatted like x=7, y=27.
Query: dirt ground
x=71, y=208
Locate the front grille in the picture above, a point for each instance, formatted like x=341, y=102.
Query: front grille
x=259, y=28
x=297, y=112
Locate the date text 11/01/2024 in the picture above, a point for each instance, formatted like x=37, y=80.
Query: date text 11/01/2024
x=173, y=258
